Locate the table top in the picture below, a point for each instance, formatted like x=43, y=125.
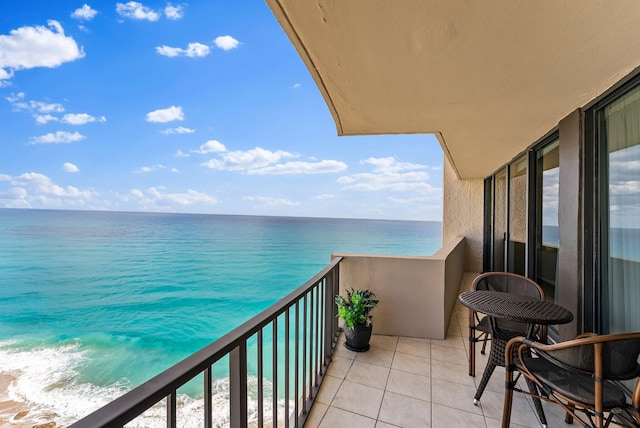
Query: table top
x=513, y=307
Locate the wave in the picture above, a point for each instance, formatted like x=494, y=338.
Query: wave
x=48, y=382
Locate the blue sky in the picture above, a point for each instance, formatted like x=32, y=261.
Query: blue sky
x=201, y=107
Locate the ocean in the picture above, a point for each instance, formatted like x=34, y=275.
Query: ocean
x=95, y=303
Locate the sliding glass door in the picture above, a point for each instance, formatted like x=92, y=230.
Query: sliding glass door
x=619, y=142
x=547, y=235
x=517, y=221
x=499, y=220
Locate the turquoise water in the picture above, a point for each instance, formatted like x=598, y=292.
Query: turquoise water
x=94, y=303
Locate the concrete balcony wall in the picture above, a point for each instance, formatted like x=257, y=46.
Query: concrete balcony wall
x=462, y=215
x=417, y=293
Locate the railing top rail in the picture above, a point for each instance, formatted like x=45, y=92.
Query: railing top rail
x=133, y=403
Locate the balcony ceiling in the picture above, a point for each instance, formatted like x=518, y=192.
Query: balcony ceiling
x=489, y=78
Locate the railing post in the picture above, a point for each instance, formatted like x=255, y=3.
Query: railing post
x=274, y=364
x=171, y=410
x=260, y=379
x=328, y=320
x=238, y=386
x=208, y=395
x=336, y=290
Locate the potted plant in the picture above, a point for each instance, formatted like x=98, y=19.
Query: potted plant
x=354, y=309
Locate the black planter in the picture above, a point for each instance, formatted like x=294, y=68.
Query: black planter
x=358, y=337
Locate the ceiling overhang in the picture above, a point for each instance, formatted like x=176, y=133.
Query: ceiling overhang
x=489, y=78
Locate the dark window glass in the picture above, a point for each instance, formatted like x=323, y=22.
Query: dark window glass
x=499, y=220
x=547, y=238
x=517, y=232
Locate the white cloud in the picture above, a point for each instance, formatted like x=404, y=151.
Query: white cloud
x=291, y=168
x=42, y=119
x=155, y=197
x=58, y=137
x=181, y=154
x=240, y=160
x=146, y=169
x=173, y=12
x=193, y=50
x=296, y=85
x=387, y=181
x=226, y=42
x=36, y=46
x=169, y=51
x=175, y=170
x=43, y=107
x=211, y=146
x=85, y=13
x=81, y=119
x=136, y=10
x=391, y=175
x=35, y=190
x=390, y=164
x=19, y=103
x=272, y=202
x=4, y=76
x=41, y=111
x=259, y=161
x=69, y=167
x=165, y=115
x=178, y=130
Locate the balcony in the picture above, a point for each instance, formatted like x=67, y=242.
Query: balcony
x=409, y=382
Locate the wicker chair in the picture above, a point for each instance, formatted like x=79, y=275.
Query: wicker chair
x=504, y=329
x=480, y=328
x=580, y=376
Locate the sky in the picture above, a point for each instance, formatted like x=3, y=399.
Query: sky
x=194, y=107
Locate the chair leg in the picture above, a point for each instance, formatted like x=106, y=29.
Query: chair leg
x=568, y=417
x=533, y=389
x=472, y=343
x=484, y=343
x=508, y=398
x=472, y=354
x=488, y=371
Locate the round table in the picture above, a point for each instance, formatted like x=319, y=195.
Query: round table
x=514, y=307
x=508, y=306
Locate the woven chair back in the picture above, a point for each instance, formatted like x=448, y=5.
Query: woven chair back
x=619, y=357
x=508, y=283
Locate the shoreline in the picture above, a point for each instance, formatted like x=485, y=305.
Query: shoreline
x=12, y=412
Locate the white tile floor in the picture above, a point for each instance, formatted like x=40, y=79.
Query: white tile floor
x=406, y=382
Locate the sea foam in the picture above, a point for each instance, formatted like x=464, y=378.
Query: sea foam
x=47, y=381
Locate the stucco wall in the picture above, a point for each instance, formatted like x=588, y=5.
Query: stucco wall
x=417, y=294
x=463, y=215
x=518, y=208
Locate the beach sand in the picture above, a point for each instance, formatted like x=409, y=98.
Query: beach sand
x=12, y=413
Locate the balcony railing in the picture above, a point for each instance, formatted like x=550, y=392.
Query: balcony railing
x=300, y=330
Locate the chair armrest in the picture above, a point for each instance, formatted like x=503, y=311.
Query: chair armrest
x=577, y=354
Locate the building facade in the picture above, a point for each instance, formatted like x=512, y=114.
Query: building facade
x=566, y=212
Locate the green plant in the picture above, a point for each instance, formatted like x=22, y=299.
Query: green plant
x=354, y=309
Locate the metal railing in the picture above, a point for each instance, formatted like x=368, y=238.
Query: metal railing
x=307, y=319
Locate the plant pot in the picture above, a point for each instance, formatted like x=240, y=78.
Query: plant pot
x=358, y=337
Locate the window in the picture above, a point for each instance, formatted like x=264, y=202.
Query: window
x=547, y=237
x=618, y=130
x=499, y=220
x=517, y=229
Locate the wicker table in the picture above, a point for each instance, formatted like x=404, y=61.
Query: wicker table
x=515, y=307
x=524, y=309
